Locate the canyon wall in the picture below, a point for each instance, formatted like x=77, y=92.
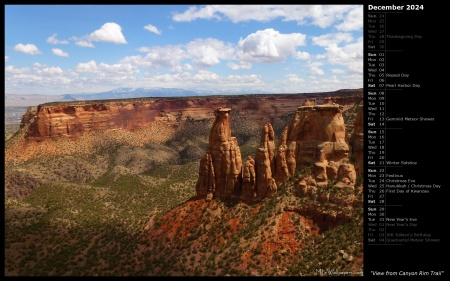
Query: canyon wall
x=86, y=127
x=75, y=118
x=357, y=140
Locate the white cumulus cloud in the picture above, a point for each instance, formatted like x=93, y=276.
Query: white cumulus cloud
x=29, y=49
x=13, y=70
x=338, y=70
x=294, y=78
x=153, y=29
x=193, y=13
x=204, y=75
x=118, y=68
x=334, y=38
x=59, y=52
x=90, y=67
x=6, y=58
x=325, y=15
x=110, y=32
x=350, y=55
x=269, y=45
x=53, y=40
x=242, y=65
x=208, y=52
x=302, y=55
x=83, y=42
x=201, y=53
x=314, y=68
x=353, y=20
x=50, y=71
x=159, y=56
x=320, y=15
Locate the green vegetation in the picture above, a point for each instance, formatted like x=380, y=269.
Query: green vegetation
x=80, y=227
x=90, y=228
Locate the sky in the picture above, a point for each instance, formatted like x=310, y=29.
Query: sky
x=69, y=49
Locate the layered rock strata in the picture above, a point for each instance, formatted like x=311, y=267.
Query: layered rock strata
x=357, y=140
x=248, y=180
x=206, y=183
x=265, y=164
x=315, y=138
x=77, y=117
x=282, y=170
x=225, y=155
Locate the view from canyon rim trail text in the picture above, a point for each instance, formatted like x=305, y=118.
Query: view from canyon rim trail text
x=135, y=146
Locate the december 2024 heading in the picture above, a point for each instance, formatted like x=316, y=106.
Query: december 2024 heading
x=395, y=8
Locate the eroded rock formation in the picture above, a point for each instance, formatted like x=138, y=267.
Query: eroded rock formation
x=357, y=140
x=346, y=176
x=282, y=171
x=28, y=116
x=248, y=193
x=315, y=138
x=206, y=183
x=265, y=164
x=225, y=157
x=222, y=162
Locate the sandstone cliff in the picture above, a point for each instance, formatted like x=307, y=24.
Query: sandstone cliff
x=29, y=116
x=316, y=136
x=357, y=140
x=75, y=118
x=68, y=128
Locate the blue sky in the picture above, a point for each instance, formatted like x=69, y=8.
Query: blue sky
x=66, y=49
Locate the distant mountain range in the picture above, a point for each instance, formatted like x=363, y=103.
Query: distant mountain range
x=119, y=93
x=124, y=93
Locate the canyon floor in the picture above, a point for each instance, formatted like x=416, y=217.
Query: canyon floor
x=129, y=210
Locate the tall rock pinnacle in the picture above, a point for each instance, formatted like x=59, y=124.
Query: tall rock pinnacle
x=265, y=164
x=225, y=157
x=281, y=163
